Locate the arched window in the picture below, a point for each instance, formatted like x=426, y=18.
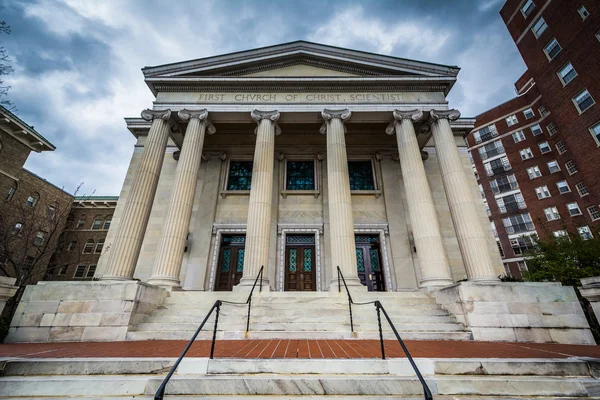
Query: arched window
x=89, y=246
x=11, y=193
x=81, y=221
x=97, y=224
x=99, y=245
x=32, y=200
x=107, y=221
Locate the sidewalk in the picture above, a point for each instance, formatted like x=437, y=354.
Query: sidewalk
x=284, y=348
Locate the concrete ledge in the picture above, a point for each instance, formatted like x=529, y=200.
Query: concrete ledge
x=82, y=311
x=518, y=312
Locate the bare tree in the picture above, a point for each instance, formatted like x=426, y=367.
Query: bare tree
x=5, y=69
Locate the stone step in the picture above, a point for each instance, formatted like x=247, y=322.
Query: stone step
x=345, y=334
x=299, y=326
x=303, y=305
x=397, y=319
x=270, y=397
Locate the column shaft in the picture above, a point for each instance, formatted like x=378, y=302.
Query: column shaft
x=171, y=245
x=471, y=239
x=433, y=261
x=341, y=221
x=128, y=239
x=258, y=229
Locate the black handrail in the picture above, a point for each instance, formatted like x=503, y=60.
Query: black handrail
x=160, y=393
x=379, y=308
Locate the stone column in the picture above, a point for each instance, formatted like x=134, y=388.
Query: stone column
x=341, y=222
x=258, y=229
x=171, y=245
x=132, y=227
x=471, y=239
x=433, y=261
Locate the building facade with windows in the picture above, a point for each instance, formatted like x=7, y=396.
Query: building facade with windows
x=545, y=142
x=299, y=158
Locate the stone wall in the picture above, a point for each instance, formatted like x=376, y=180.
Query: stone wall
x=518, y=312
x=82, y=311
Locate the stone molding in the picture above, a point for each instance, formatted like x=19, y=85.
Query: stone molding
x=273, y=116
x=150, y=115
x=328, y=115
x=450, y=115
x=202, y=115
x=399, y=115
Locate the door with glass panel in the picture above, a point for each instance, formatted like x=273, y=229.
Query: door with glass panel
x=368, y=262
x=300, y=272
x=231, y=262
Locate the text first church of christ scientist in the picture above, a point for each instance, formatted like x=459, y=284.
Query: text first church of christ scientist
x=300, y=158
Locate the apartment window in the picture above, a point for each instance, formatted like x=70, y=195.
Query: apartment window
x=534, y=172
x=31, y=201
x=81, y=222
x=497, y=166
x=491, y=149
x=539, y=27
x=583, y=12
x=573, y=209
x=585, y=232
x=300, y=175
x=571, y=167
x=528, y=113
x=553, y=166
x=97, y=223
x=552, y=129
x=17, y=229
x=563, y=187
x=91, y=271
x=526, y=154
x=99, y=245
x=521, y=244
x=561, y=234
x=551, y=213
x=63, y=269
x=107, y=221
x=500, y=249
x=581, y=189
x=542, y=192
x=88, y=247
x=29, y=261
x=594, y=213
x=518, y=136
x=527, y=8
x=51, y=212
x=72, y=245
x=595, y=131
x=583, y=101
x=39, y=238
x=504, y=184
x=481, y=191
x=512, y=120
x=566, y=74
x=561, y=147
x=513, y=202
x=485, y=133
x=542, y=110
x=522, y=266
x=552, y=49
x=536, y=129
x=544, y=147
x=79, y=272
x=518, y=223
x=240, y=175
x=361, y=175
x=10, y=194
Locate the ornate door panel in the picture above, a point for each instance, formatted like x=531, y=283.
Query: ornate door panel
x=300, y=272
x=368, y=263
x=231, y=263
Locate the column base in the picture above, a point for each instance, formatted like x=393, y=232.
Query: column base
x=435, y=283
x=485, y=280
x=247, y=282
x=167, y=282
x=354, y=285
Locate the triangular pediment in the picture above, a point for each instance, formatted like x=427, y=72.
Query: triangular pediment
x=300, y=70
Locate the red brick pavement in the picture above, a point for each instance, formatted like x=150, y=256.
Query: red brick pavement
x=277, y=348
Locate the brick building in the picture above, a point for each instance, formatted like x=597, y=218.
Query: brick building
x=33, y=212
x=84, y=238
x=536, y=156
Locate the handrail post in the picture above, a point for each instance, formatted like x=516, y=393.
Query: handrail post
x=339, y=284
x=377, y=305
x=261, y=277
x=212, y=346
x=248, y=320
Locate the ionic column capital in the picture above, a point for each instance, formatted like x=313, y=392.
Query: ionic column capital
x=328, y=115
x=272, y=116
x=150, y=115
x=450, y=115
x=201, y=115
x=399, y=116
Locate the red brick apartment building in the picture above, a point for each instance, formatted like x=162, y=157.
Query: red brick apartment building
x=537, y=156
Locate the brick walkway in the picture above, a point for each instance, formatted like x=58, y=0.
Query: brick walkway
x=297, y=349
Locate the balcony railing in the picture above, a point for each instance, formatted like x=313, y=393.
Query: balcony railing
x=486, y=136
x=498, y=170
x=505, y=187
x=492, y=152
x=518, y=228
x=514, y=206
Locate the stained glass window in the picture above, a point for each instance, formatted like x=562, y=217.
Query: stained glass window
x=234, y=239
x=307, y=260
x=292, y=263
x=365, y=239
x=240, y=261
x=361, y=175
x=226, y=260
x=374, y=254
x=240, y=175
x=300, y=175
x=360, y=261
x=294, y=239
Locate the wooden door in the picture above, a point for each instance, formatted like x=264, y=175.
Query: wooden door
x=368, y=263
x=231, y=262
x=300, y=271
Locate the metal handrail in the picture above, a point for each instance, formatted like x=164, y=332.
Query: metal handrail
x=160, y=393
x=379, y=308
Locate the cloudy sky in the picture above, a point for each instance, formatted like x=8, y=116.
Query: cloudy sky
x=77, y=63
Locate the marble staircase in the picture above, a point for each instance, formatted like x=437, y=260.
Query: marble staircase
x=314, y=315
